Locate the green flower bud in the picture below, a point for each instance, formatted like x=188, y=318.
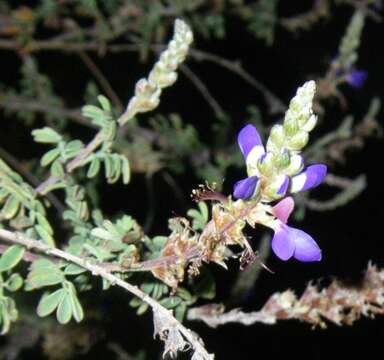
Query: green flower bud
x=275, y=189
x=296, y=165
x=298, y=141
x=282, y=160
x=276, y=137
x=265, y=165
x=310, y=124
x=291, y=126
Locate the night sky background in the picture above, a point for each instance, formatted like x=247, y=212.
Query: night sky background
x=350, y=236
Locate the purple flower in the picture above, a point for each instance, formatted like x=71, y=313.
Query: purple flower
x=356, y=78
x=289, y=242
x=283, y=209
x=248, y=139
x=245, y=189
x=252, y=148
x=253, y=151
x=311, y=177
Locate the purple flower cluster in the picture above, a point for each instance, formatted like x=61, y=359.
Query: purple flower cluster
x=287, y=241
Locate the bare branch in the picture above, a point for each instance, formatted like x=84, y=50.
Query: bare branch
x=338, y=303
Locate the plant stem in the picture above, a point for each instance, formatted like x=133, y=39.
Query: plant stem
x=98, y=270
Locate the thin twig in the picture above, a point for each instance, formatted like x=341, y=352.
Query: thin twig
x=274, y=103
x=103, y=81
x=202, y=88
x=16, y=103
x=97, y=270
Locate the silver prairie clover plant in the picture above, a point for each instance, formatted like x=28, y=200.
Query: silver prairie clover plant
x=278, y=171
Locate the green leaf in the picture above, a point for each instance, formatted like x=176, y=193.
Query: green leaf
x=49, y=302
x=142, y=309
x=204, y=210
x=97, y=116
x=103, y=234
x=14, y=283
x=94, y=168
x=11, y=257
x=116, y=168
x=3, y=195
x=104, y=102
x=46, y=135
x=64, y=310
x=49, y=156
x=43, y=273
x=180, y=312
x=73, y=269
x=126, y=170
x=170, y=302
x=184, y=294
x=45, y=235
x=108, y=165
x=57, y=169
x=72, y=149
x=8, y=313
x=77, y=309
x=11, y=207
x=44, y=223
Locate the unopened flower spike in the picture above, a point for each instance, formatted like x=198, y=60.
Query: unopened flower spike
x=162, y=75
x=278, y=170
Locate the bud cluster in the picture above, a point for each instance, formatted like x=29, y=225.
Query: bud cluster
x=163, y=74
x=282, y=160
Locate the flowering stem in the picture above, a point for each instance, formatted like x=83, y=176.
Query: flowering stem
x=98, y=270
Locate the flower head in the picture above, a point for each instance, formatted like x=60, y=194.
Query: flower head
x=273, y=175
x=277, y=170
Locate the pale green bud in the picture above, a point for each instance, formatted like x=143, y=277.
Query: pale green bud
x=271, y=190
x=282, y=160
x=310, y=124
x=163, y=74
x=265, y=165
x=297, y=142
x=296, y=165
x=276, y=137
x=290, y=125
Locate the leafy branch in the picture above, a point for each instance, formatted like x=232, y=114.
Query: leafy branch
x=170, y=330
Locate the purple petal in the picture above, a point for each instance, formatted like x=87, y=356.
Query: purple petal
x=282, y=244
x=284, y=186
x=245, y=189
x=311, y=177
x=356, y=78
x=248, y=138
x=288, y=242
x=306, y=249
x=283, y=209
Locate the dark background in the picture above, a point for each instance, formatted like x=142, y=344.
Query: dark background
x=349, y=236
